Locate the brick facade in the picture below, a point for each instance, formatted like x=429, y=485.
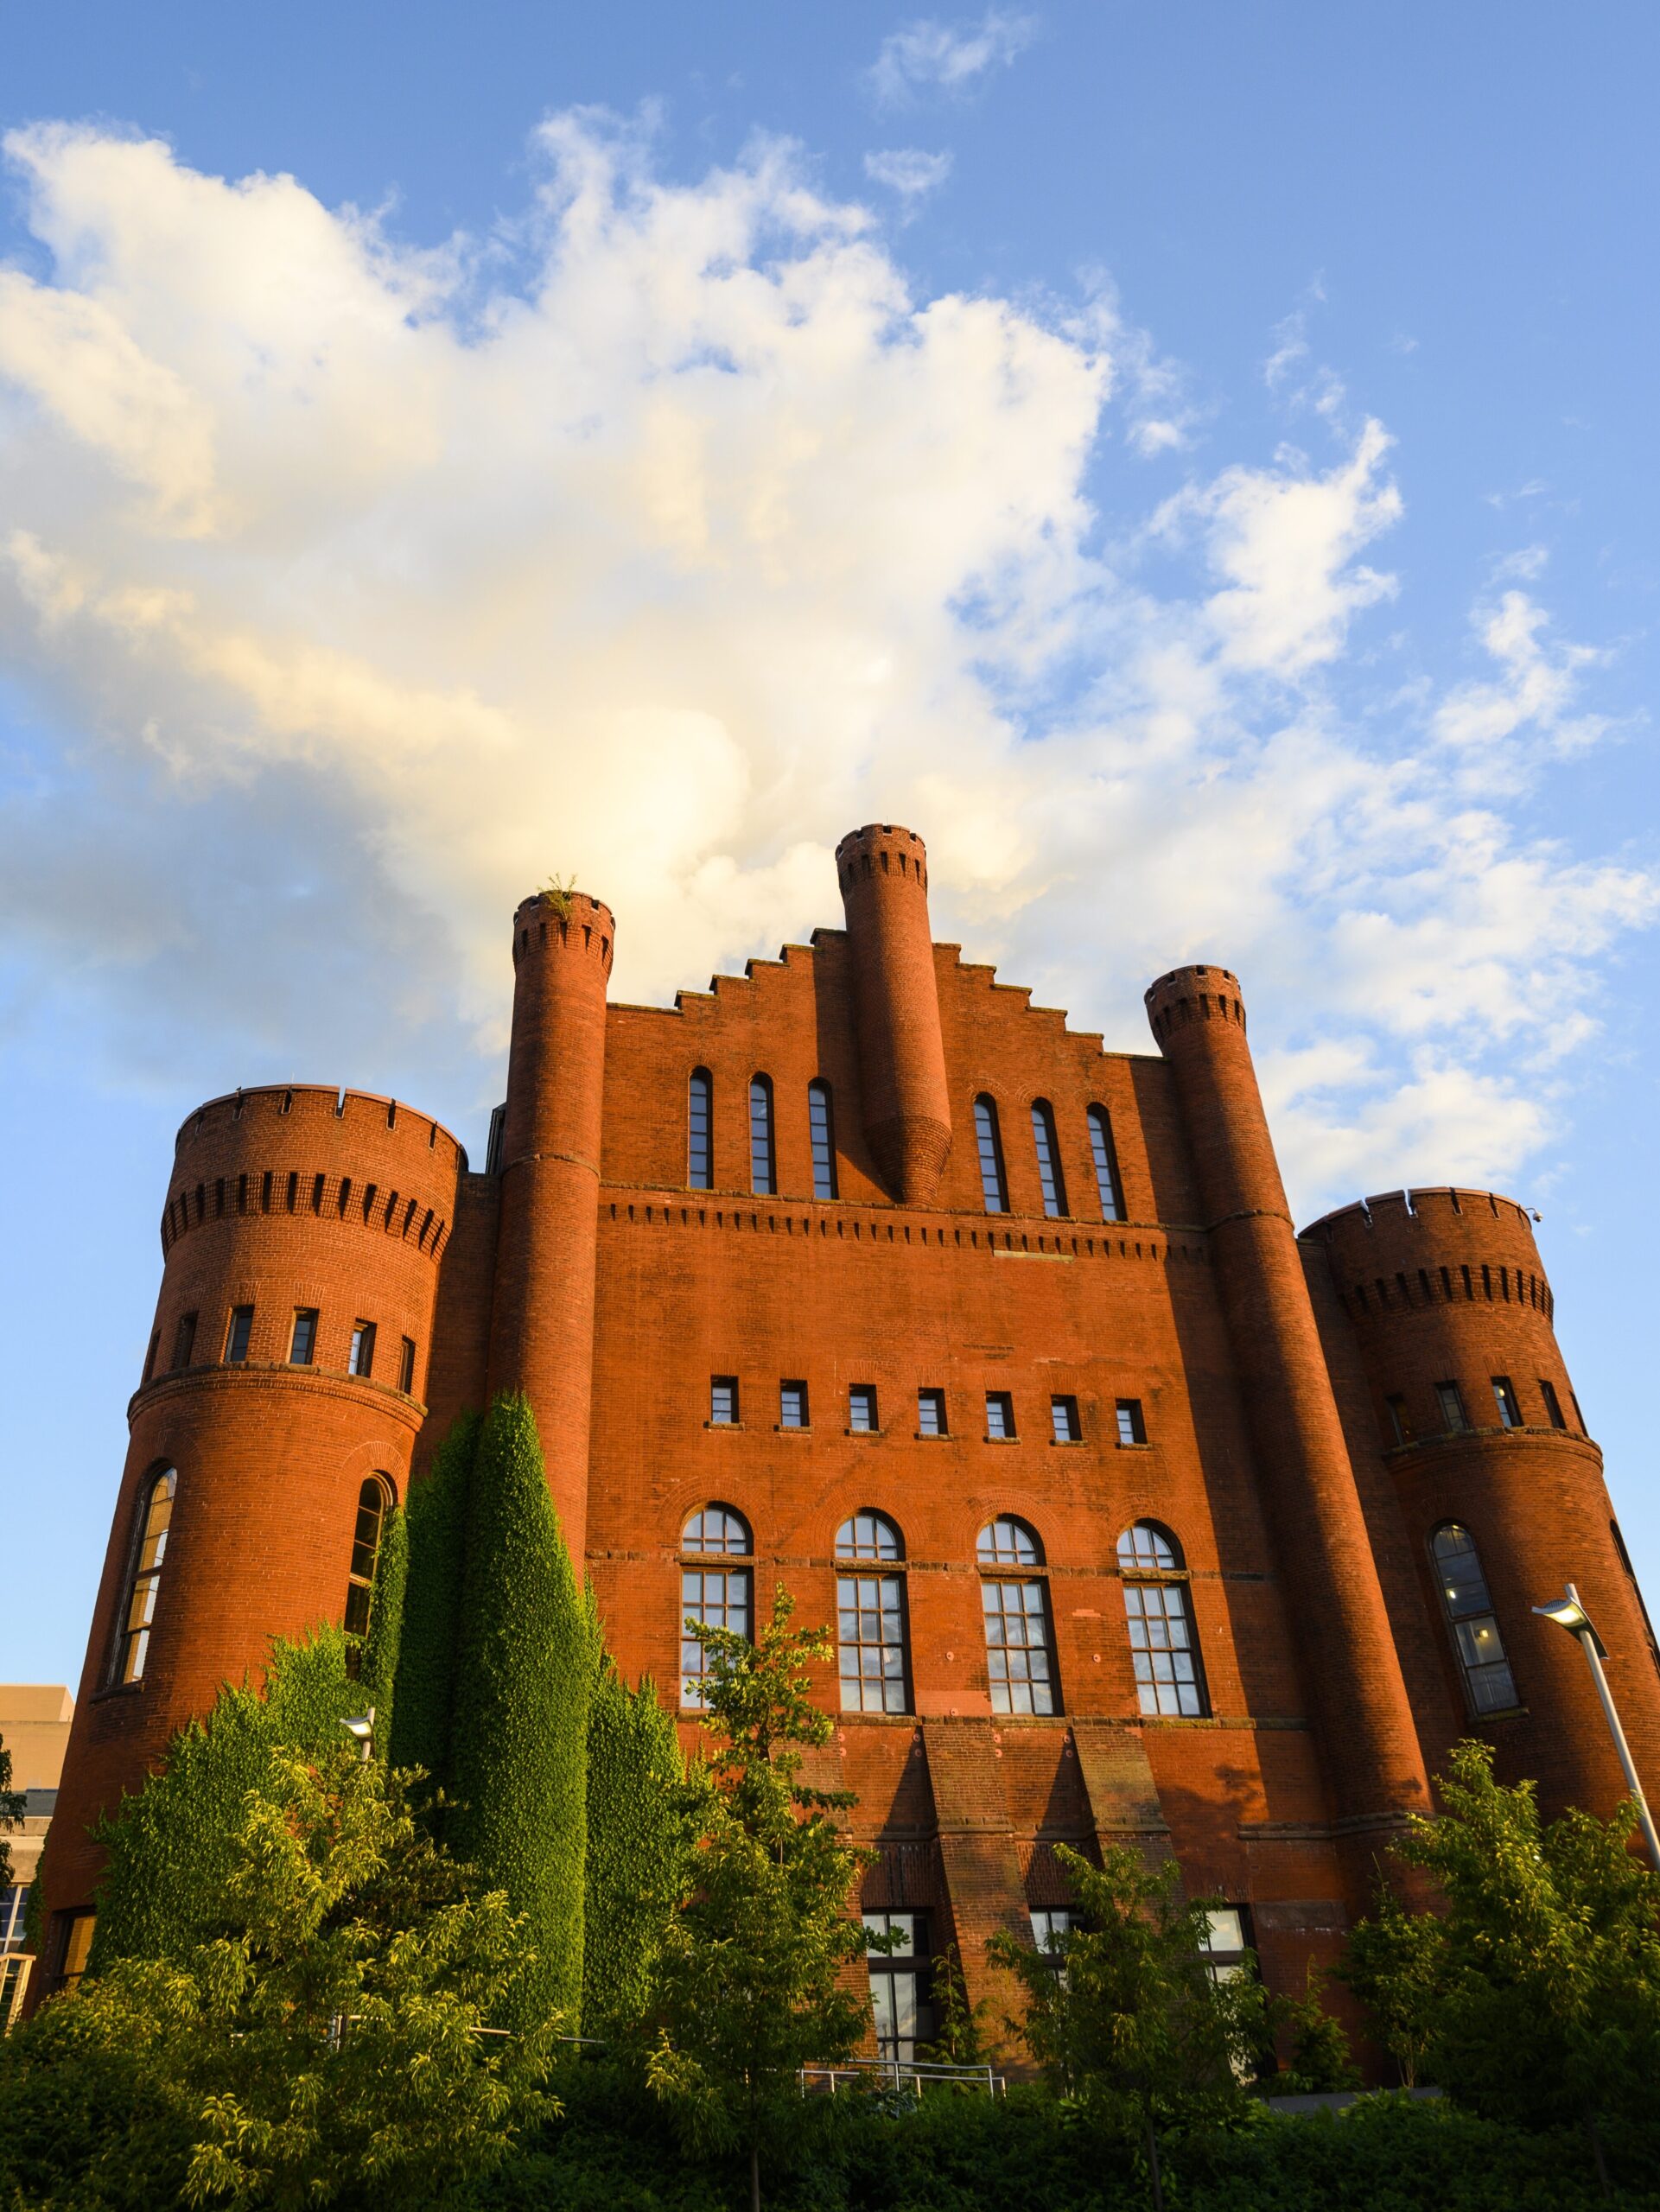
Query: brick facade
x=585, y=1269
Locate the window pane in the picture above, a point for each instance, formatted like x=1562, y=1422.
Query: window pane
x=1464, y=1587
x=761, y=1178
x=1509, y=1412
x=1451, y=1405
x=1063, y=1414
x=792, y=1405
x=862, y=1408
x=1167, y=1671
x=1018, y=1655
x=718, y=1599
x=1007, y=1542
x=1000, y=1414
x=304, y=1339
x=1146, y=1549
x=722, y=1399
x=931, y=1413
x=870, y=1634
x=147, y=1576
x=363, y=1348
x=699, y=1151
x=866, y=1536
x=716, y=1530
x=1476, y=1636
x=1132, y=1429
x=824, y=1140
x=1049, y=1174
x=236, y=1342
x=991, y=1156
x=1106, y=1166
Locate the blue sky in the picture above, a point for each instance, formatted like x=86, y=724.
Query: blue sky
x=1194, y=463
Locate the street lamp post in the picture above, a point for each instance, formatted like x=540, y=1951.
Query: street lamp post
x=361, y=1728
x=1568, y=1613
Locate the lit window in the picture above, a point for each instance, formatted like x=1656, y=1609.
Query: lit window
x=1063, y=1416
x=1049, y=1173
x=931, y=1413
x=363, y=1348
x=1108, y=1189
x=406, y=1368
x=1020, y=1659
x=862, y=1408
x=1487, y=1678
x=77, y=1950
x=1051, y=1928
x=1553, y=1403
x=235, y=1340
x=156, y=1518
x=723, y=1401
x=1168, y=1678
x=712, y=1596
x=999, y=1417
x=1451, y=1400
x=823, y=1139
x=184, y=1340
x=1132, y=1429
x=365, y=1549
x=792, y=1405
x=1225, y=1942
x=900, y=1983
x=763, y=1179
x=1510, y=1410
x=870, y=1618
x=1395, y=1406
x=700, y=1156
x=992, y=1186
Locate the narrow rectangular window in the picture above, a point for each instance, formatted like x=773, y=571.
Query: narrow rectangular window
x=716, y=1598
x=823, y=1139
x=1132, y=1429
x=236, y=1341
x=792, y=1405
x=763, y=1176
x=1451, y=1400
x=1510, y=1410
x=303, y=1343
x=363, y=1348
x=149, y=1356
x=862, y=1408
x=1051, y=1179
x=700, y=1158
x=184, y=1340
x=999, y=1417
x=406, y=1368
x=724, y=1401
x=899, y=1985
x=77, y=1949
x=931, y=1413
x=1553, y=1403
x=1397, y=1407
x=992, y=1189
x=1108, y=1189
x=1063, y=1415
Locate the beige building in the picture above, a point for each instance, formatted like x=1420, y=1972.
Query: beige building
x=34, y=1720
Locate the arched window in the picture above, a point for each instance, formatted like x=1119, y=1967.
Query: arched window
x=700, y=1145
x=1168, y=1676
x=763, y=1176
x=1014, y=1598
x=870, y=1616
x=365, y=1549
x=716, y=1596
x=1049, y=1174
x=1104, y=1152
x=992, y=1185
x=1488, y=1681
x=154, y=1516
x=824, y=1139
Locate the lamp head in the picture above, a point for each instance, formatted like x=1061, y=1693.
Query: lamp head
x=361, y=1727
x=1567, y=1612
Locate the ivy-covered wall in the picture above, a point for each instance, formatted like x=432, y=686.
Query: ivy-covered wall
x=636, y=1848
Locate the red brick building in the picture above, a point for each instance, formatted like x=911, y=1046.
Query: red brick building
x=1141, y=1515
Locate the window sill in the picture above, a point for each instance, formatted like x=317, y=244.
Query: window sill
x=929, y=1436
x=1130, y=1447
x=1000, y=1439
x=792, y=1428
x=1076, y=1444
x=725, y=1427
x=864, y=1432
x=117, y=1689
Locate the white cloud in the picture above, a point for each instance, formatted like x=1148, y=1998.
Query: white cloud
x=949, y=57
x=908, y=170
x=664, y=539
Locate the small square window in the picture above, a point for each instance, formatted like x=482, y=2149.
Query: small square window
x=999, y=1417
x=1504, y=1397
x=792, y=1405
x=931, y=1413
x=1396, y=1406
x=723, y=1401
x=1051, y=1928
x=862, y=1408
x=406, y=1368
x=184, y=1339
x=1063, y=1417
x=303, y=1344
x=1451, y=1399
x=363, y=1348
x=235, y=1340
x=1132, y=1429
x=1553, y=1403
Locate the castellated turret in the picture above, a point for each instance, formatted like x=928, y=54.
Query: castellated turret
x=883, y=872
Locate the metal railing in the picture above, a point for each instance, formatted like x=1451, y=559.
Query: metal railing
x=908, y=2074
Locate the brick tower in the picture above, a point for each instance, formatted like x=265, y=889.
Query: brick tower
x=907, y=1111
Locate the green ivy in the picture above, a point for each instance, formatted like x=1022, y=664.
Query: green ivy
x=425, y=1690
x=378, y=1671
x=524, y=1668
x=636, y=1845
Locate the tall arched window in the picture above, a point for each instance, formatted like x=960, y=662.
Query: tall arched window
x=763, y=1174
x=1108, y=1186
x=823, y=1128
x=1168, y=1676
x=365, y=1549
x=1488, y=1681
x=156, y=1514
x=870, y=1615
x=1014, y=1598
x=1049, y=1174
x=992, y=1185
x=700, y=1145
x=717, y=1597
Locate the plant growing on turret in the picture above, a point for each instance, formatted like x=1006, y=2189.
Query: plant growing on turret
x=557, y=893
x=748, y=1979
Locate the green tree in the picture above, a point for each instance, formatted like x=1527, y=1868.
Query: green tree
x=1125, y=2016
x=378, y=1659
x=329, y=2044
x=524, y=1668
x=748, y=1980
x=960, y=2037
x=637, y=1847
x=424, y=1700
x=1548, y=2013
x=1395, y=1966
x=1321, y=2062
x=13, y=1804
